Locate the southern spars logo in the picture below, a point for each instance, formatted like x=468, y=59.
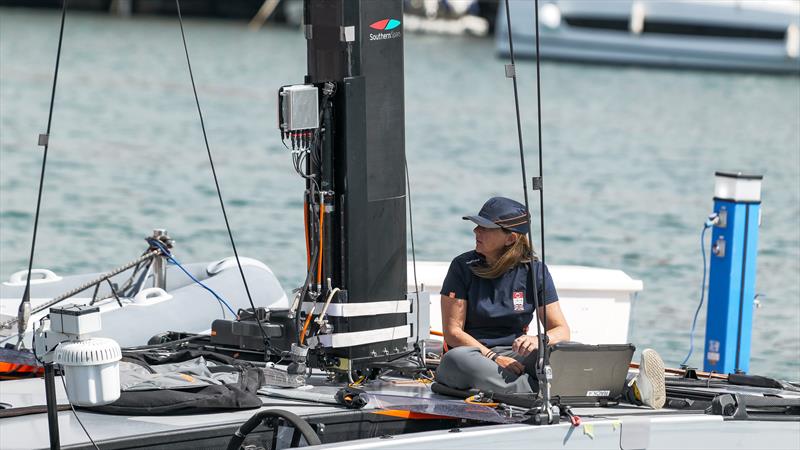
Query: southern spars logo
x=387, y=25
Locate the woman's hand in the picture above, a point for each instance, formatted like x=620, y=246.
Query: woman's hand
x=525, y=345
x=509, y=363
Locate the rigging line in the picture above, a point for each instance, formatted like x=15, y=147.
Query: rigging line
x=26, y=296
x=413, y=251
x=543, y=357
x=522, y=155
x=541, y=176
x=214, y=173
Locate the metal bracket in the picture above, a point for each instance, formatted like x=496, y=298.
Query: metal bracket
x=511, y=71
x=537, y=183
x=44, y=139
x=308, y=31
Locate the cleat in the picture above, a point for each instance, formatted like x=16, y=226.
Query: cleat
x=649, y=384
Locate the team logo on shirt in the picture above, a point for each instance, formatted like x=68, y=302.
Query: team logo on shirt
x=519, y=301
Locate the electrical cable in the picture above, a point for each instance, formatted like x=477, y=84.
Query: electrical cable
x=305, y=325
x=706, y=226
x=164, y=345
x=75, y=413
x=172, y=259
x=314, y=259
x=216, y=181
x=325, y=305
x=26, y=296
x=304, y=290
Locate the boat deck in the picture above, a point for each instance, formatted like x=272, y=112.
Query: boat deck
x=626, y=426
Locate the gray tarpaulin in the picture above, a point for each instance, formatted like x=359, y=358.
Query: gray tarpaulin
x=187, y=374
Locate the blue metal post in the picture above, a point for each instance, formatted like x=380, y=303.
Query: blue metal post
x=731, y=287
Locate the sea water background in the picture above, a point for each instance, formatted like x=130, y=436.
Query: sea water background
x=629, y=157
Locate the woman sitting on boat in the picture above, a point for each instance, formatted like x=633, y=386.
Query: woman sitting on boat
x=487, y=304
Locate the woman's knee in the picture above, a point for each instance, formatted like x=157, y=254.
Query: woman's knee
x=454, y=369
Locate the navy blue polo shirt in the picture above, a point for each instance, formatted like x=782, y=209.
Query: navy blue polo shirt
x=497, y=309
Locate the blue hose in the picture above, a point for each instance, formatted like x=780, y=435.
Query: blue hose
x=708, y=224
x=171, y=259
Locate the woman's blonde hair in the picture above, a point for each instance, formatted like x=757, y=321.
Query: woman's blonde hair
x=517, y=253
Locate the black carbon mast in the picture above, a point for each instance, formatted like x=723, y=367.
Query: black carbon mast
x=357, y=178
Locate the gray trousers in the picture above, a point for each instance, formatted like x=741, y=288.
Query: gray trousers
x=465, y=368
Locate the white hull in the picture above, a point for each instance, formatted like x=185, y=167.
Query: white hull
x=681, y=34
x=187, y=307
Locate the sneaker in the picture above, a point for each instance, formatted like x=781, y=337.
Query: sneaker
x=649, y=384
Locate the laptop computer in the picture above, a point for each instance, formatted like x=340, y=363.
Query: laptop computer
x=589, y=375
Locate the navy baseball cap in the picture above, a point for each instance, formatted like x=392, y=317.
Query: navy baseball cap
x=501, y=212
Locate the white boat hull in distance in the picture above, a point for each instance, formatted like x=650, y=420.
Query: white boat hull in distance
x=752, y=36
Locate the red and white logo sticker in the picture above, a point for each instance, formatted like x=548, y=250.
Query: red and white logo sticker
x=519, y=301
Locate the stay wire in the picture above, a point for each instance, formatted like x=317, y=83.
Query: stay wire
x=543, y=354
x=214, y=173
x=541, y=165
x=413, y=251
x=26, y=296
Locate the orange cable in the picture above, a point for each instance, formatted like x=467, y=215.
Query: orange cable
x=305, y=326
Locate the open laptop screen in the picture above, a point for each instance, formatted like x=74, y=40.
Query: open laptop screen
x=589, y=374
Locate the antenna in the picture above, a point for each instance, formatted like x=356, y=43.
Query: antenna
x=24, y=312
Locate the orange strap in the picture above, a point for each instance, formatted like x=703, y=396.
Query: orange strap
x=409, y=414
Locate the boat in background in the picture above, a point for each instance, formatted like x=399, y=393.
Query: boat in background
x=757, y=36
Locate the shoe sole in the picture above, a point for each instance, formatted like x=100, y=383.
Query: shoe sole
x=652, y=368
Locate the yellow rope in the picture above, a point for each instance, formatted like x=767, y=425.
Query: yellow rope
x=358, y=382
x=473, y=400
